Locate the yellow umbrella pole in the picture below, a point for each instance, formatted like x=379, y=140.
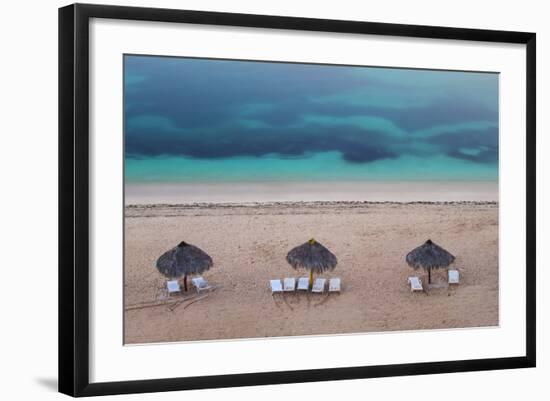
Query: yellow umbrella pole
x=311, y=278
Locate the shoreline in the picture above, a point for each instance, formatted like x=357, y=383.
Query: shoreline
x=349, y=191
x=309, y=203
x=136, y=209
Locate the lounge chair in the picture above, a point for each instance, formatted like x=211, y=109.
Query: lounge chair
x=454, y=277
x=416, y=284
x=200, y=284
x=276, y=287
x=289, y=284
x=319, y=285
x=303, y=283
x=334, y=285
x=173, y=287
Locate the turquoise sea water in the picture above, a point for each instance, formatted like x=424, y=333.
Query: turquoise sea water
x=197, y=120
x=318, y=167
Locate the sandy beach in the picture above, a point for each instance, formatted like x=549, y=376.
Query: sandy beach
x=285, y=191
x=249, y=242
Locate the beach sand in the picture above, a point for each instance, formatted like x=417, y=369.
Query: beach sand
x=249, y=243
x=285, y=191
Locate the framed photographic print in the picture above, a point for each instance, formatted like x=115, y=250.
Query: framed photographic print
x=251, y=199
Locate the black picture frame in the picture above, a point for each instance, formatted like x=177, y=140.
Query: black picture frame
x=74, y=198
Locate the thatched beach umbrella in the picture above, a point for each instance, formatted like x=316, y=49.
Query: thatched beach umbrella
x=312, y=256
x=183, y=260
x=429, y=256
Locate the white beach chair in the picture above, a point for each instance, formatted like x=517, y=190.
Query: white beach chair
x=334, y=285
x=200, y=284
x=454, y=277
x=416, y=284
x=303, y=283
x=276, y=287
x=289, y=284
x=319, y=285
x=173, y=287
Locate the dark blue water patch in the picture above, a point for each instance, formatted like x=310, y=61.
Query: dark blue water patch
x=356, y=144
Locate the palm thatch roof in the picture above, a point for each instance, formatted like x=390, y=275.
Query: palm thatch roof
x=312, y=256
x=429, y=256
x=183, y=260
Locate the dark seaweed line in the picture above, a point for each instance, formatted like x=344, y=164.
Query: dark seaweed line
x=175, y=210
x=212, y=205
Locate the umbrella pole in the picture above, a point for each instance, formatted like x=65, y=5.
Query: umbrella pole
x=185, y=283
x=429, y=276
x=311, y=278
